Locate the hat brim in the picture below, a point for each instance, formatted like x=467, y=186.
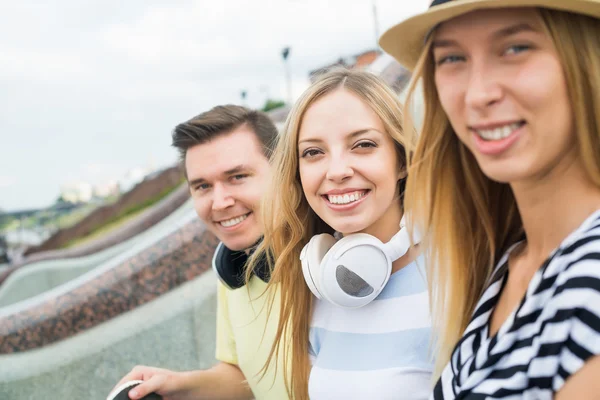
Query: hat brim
x=405, y=41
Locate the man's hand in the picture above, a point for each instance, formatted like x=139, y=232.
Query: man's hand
x=223, y=381
x=158, y=380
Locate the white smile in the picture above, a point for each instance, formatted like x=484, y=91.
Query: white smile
x=346, y=198
x=499, y=133
x=233, y=221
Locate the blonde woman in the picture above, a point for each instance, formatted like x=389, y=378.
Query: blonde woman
x=505, y=181
x=340, y=166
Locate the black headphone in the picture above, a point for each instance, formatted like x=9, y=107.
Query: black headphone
x=230, y=267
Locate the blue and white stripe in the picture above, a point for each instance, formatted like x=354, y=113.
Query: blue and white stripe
x=378, y=351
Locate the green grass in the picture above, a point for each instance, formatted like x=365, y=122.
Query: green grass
x=105, y=228
x=67, y=220
x=46, y=220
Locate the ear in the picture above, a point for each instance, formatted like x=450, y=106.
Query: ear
x=402, y=173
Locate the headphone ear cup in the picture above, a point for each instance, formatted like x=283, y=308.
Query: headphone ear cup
x=312, y=254
x=354, y=271
x=229, y=266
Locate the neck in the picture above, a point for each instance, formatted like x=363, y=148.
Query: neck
x=250, y=249
x=387, y=225
x=554, y=205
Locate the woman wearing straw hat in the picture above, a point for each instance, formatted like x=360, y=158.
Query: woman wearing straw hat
x=505, y=182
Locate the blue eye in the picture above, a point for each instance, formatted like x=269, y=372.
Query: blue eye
x=239, y=177
x=451, y=59
x=517, y=49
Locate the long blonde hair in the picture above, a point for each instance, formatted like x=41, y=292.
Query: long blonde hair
x=289, y=222
x=468, y=220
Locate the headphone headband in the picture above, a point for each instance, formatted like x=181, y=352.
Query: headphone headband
x=230, y=266
x=401, y=241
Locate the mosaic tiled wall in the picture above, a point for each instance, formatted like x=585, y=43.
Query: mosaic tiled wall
x=177, y=258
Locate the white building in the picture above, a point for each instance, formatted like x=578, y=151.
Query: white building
x=78, y=192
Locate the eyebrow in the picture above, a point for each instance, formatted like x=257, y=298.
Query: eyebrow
x=513, y=30
x=232, y=171
x=502, y=33
x=237, y=169
x=351, y=135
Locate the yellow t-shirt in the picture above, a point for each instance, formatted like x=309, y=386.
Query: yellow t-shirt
x=245, y=336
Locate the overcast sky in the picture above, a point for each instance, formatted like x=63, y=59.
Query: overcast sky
x=90, y=89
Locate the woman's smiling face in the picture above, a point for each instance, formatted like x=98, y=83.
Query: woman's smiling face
x=501, y=83
x=348, y=164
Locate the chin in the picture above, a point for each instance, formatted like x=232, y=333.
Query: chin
x=507, y=171
x=240, y=243
x=503, y=175
x=348, y=227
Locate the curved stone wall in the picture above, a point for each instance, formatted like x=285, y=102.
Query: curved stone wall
x=43, y=276
x=139, y=224
x=178, y=258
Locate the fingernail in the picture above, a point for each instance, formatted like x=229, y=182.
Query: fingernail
x=134, y=393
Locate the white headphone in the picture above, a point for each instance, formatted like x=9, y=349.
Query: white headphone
x=354, y=270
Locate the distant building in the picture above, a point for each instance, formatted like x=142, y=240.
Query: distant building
x=388, y=69
x=361, y=60
x=108, y=189
x=79, y=192
x=279, y=115
x=381, y=64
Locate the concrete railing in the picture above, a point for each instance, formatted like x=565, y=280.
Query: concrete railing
x=175, y=331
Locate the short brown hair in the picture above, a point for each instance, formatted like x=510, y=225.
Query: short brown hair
x=222, y=120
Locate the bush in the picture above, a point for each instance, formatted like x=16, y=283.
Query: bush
x=272, y=104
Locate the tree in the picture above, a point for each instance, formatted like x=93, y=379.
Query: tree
x=60, y=200
x=272, y=104
x=3, y=250
x=5, y=220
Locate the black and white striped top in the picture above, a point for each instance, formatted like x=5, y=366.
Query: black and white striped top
x=548, y=338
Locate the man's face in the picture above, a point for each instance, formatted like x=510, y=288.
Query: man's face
x=227, y=177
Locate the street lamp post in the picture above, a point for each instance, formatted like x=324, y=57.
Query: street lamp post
x=376, y=24
x=285, y=53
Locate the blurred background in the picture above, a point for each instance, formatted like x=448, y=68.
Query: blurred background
x=103, y=264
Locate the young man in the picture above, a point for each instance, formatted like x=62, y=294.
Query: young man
x=226, y=155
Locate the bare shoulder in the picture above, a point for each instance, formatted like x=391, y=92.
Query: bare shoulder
x=584, y=384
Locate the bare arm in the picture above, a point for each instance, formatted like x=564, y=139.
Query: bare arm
x=223, y=381
x=584, y=385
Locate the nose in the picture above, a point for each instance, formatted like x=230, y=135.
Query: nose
x=221, y=197
x=483, y=88
x=339, y=169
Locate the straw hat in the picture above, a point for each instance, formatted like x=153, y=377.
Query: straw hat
x=405, y=41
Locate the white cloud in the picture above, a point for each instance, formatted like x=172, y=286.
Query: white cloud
x=7, y=181
x=42, y=65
